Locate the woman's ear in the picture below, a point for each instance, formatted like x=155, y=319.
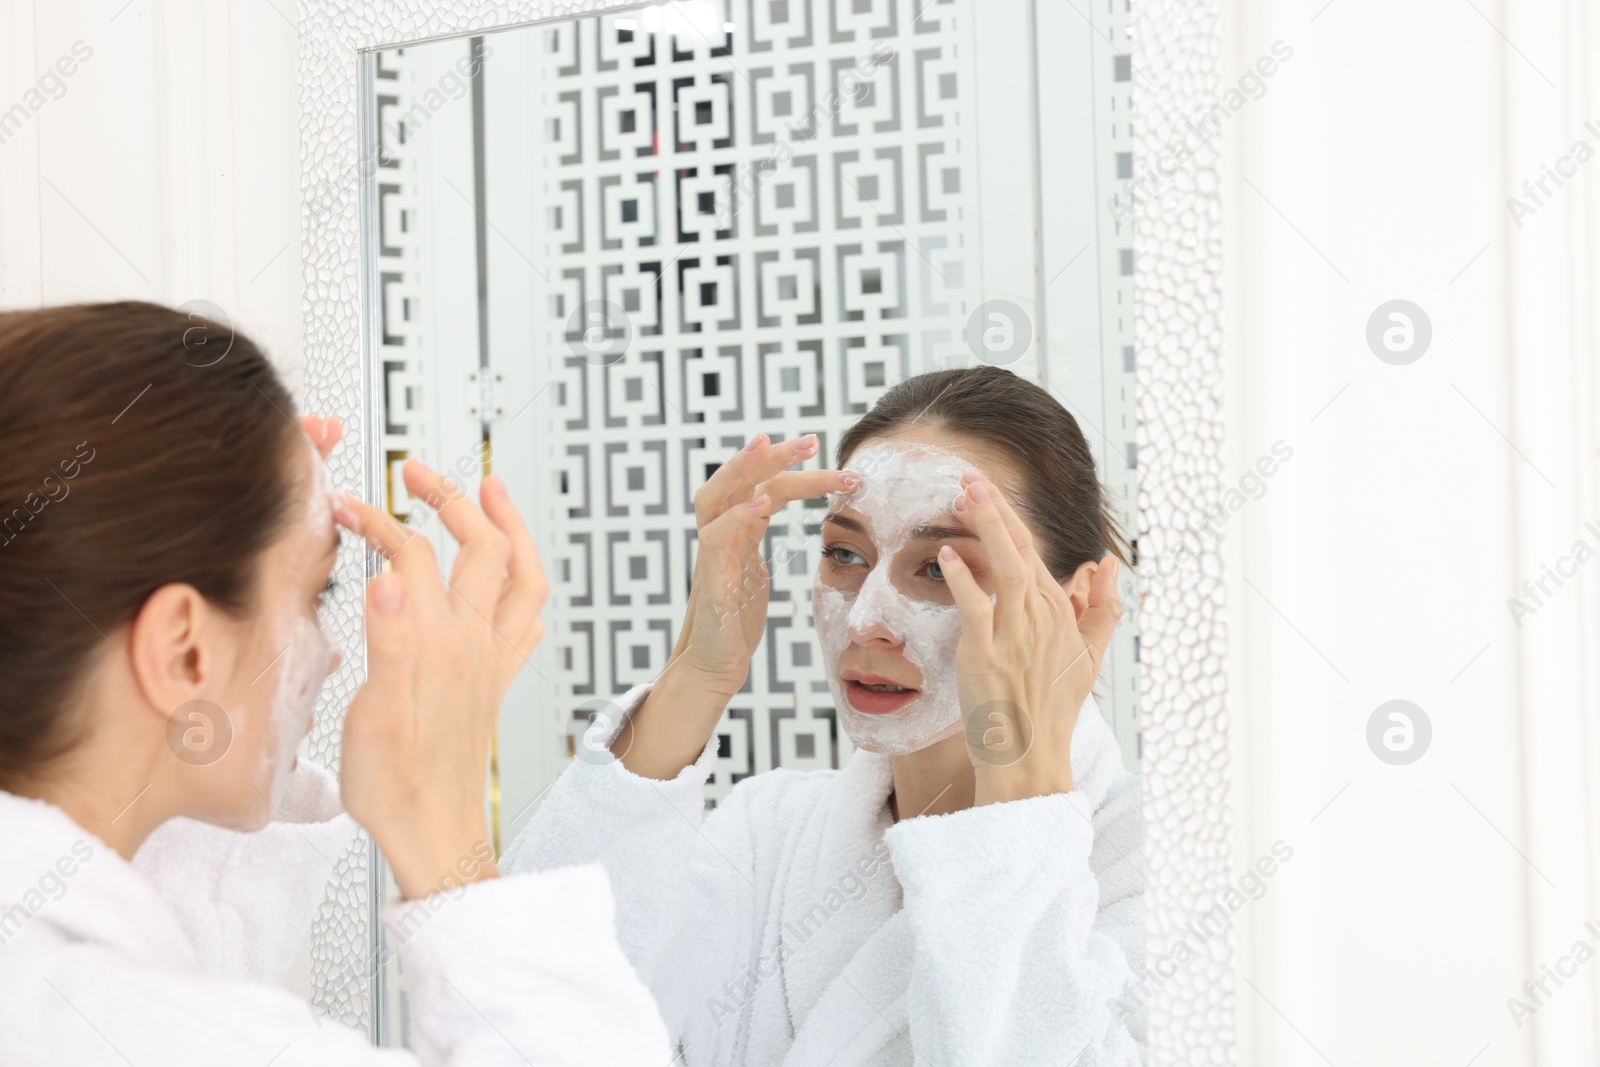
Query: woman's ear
x=171, y=648
x=1077, y=587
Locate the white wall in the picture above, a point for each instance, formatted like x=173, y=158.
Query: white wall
x=169, y=167
x=1378, y=563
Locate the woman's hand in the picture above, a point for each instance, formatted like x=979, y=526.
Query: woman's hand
x=727, y=610
x=1026, y=660
x=440, y=658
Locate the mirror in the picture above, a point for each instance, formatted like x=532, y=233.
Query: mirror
x=608, y=251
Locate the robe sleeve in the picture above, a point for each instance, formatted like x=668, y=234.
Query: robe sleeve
x=1027, y=922
x=506, y=972
x=684, y=882
x=524, y=968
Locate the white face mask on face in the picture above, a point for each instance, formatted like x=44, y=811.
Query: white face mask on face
x=303, y=665
x=903, y=485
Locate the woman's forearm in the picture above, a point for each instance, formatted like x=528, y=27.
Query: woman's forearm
x=670, y=727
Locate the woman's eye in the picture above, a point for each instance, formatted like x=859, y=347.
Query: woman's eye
x=838, y=554
x=935, y=571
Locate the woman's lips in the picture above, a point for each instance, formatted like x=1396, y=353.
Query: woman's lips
x=871, y=702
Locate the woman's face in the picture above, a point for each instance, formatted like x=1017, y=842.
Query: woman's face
x=283, y=652
x=886, y=620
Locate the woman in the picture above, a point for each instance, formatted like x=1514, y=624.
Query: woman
x=968, y=889
x=169, y=540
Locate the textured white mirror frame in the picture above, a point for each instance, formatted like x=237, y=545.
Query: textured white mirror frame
x=1177, y=283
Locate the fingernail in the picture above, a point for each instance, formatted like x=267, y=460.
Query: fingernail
x=850, y=479
x=754, y=442
x=947, y=554
x=971, y=474
x=344, y=512
x=495, y=484
x=980, y=495
x=807, y=443
x=959, y=504
x=759, y=501
x=1116, y=564
x=388, y=594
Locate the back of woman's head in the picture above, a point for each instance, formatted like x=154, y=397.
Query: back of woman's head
x=134, y=457
x=1061, y=497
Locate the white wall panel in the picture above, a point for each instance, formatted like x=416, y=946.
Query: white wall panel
x=1378, y=563
x=167, y=169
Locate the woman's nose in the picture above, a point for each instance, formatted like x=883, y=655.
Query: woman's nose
x=877, y=631
x=869, y=623
x=869, y=614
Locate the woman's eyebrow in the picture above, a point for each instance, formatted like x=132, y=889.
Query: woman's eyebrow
x=929, y=531
x=846, y=521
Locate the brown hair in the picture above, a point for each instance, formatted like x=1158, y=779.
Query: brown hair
x=1061, y=497
x=134, y=458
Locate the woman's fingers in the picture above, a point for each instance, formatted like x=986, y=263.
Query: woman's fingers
x=1021, y=536
x=723, y=570
x=323, y=432
x=737, y=480
x=977, y=610
x=480, y=566
x=1012, y=578
x=739, y=529
x=497, y=570
x=381, y=530
x=407, y=551
x=391, y=644
x=788, y=486
x=526, y=589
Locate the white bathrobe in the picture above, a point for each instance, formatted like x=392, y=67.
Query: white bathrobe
x=160, y=961
x=797, y=924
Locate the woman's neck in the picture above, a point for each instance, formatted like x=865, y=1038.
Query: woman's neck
x=114, y=799
x=935, y=780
